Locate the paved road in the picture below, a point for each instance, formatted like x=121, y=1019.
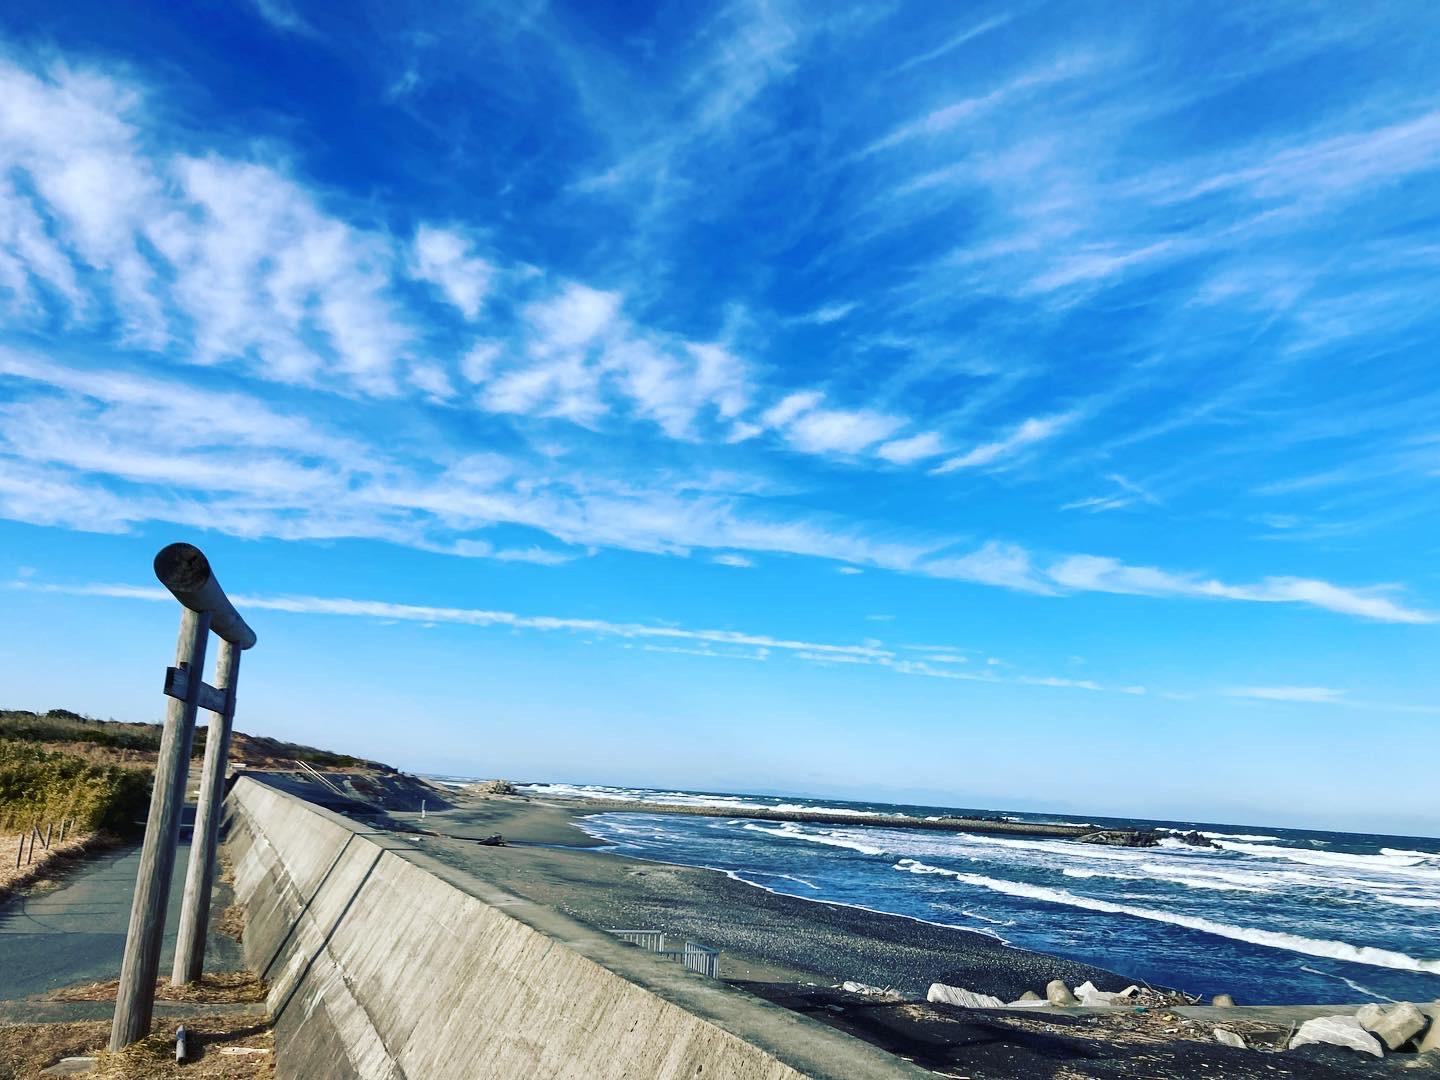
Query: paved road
x=76, y=933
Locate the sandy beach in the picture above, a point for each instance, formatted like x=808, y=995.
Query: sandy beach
x=794, y=952
x=763, y=936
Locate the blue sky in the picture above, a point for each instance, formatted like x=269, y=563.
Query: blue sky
x=1028, y=405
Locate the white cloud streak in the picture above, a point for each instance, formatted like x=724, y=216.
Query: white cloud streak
x=1312, y=695
x=229, y=462
x=1026, y=434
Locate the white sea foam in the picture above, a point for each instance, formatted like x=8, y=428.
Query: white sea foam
x=987, y=918
x=1336, y=950
x=684, y=798
x=1180, y=845
x=1411, y=865
x=1402, y=853
x=1190, y=879
x=790, y=831
x=1351, y=983
x=1219, y=835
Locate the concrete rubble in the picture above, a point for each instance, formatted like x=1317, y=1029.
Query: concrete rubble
x=1226, y=1037
x=1028, y=1000
x=1057, y=993
x=1394, y=1026
x=1090, y=994
x=1337, y=1031
x=966, y=999
x=1430, y=1041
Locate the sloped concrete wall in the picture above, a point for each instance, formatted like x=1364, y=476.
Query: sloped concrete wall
x=386, y=964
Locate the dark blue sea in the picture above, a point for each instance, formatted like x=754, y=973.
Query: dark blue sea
x=1271, y=915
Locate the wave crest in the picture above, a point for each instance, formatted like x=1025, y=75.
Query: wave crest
x=1274, y=939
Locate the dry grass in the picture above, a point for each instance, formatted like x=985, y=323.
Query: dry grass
x=214, y=987
x=232, y=922
x=47, y=865
x=106, y=755
x=28, y=1048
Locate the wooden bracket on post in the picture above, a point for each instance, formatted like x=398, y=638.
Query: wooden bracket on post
x=179, y=684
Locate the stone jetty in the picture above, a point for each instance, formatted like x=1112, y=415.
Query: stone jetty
x=1085, y=834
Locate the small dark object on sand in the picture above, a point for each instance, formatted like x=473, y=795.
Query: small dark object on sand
x=493, y=840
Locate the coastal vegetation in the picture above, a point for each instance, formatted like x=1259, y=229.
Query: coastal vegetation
x=39, y=785
x=128, y=742
x=71, y=784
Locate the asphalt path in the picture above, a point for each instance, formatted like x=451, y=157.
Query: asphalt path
x=76, y=933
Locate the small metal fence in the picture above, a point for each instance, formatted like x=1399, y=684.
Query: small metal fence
x=654, y=940
x=695, y=957
x=702, y=959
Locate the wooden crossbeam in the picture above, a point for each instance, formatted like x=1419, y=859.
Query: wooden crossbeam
x=177, y=685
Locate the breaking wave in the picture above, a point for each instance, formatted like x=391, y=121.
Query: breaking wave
x=1335, y=950
x=789, y=831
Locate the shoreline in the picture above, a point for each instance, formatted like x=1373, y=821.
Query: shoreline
x=795, y=952
x=763, y=935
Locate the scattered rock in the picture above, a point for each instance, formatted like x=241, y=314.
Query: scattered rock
x=966, y=999
x=1031, y=995
x=1223, y=1001
x=492, y=787
x=1121, y=838
x=1394, y=1026
x=1430, y=1044
x=1226, y=1037
x=1337, y=1031
x=1057, y=993
x=1195, y=839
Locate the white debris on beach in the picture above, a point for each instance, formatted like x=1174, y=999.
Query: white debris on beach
x=1337, y=1031
x=966, y=999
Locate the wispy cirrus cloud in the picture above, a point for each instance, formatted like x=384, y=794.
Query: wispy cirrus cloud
x=1029, y=432
x=230, y=462
x=720, y=644
x=729, y=558
x=1093, y=573
x=223, y=265
x=1311, y=695
x=282, y=16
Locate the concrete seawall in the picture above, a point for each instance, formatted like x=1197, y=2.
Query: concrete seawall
x=384, y=963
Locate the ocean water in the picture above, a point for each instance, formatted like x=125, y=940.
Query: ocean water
x=1271, y=915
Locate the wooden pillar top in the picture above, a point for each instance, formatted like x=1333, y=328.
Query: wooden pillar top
x=184, y=570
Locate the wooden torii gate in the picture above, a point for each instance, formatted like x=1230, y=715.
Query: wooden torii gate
x=184, y=570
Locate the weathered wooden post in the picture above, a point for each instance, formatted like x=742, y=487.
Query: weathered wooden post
x=184, y=570
x=200, y=872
